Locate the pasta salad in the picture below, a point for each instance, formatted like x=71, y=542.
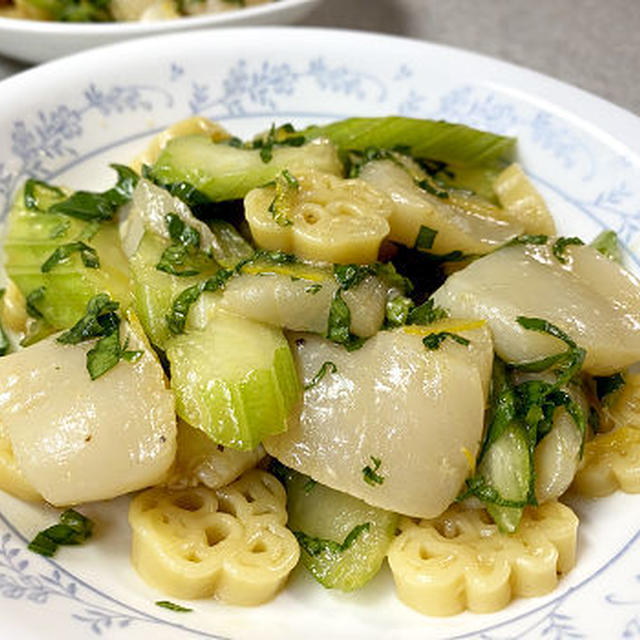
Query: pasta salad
x=356, y=343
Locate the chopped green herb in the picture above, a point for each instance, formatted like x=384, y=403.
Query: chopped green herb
x=327, y=367
x=433, y=188
x=172, y=606
x=434, y=340
x=313, y=289
x=535, y=239
x=35, y=296
x=73, y=529
x=339, y=324
x=607, y=244
x=477, y=486
x=192, y=197
x=560, y=246
x=276, y=137
x=100, y=321
x=425, y=238
x=5, y=345
x=281, y=206
x=356, y=159
x=397, y=311
x=90, y=206
x=426, y=313
x=607, y=385
x=39, y=196
x=177, y=318
x=179, y=258
x=63, y=252
x=387, y=273
x=369, y=473
x=316, y=546
x=309, y=485
x=351, y=275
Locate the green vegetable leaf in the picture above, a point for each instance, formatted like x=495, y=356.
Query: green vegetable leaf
x=35, y=296
x=281, y=207
x=397, y=311
x=369, y=473
x=426, y=313
x=104, y=355
x=39, y=196
x=339, y=324
x=5, y=345
x=73, y=529
x=425, y=238
x=313, y=289
x=172, y=606
x=283, y=136
x=192, y=197
x=351, y=275
x=327, y=367
x=90, y=206
x=560, y=246
x=181, y=257
x=434, y=340
x=63, y=252
x=99, y=320
x=317, y=546
x=432, y=188
x=535, y=239
x=607, y=385
x=177, y=318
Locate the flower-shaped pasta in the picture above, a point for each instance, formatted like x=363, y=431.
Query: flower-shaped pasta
x=461, y=560
x=611, y=461
x=231, y=543
x=319, y=216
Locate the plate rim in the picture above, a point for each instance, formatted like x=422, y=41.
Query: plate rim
x=620, y=125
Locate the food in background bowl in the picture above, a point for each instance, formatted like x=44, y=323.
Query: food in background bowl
x=117, y=10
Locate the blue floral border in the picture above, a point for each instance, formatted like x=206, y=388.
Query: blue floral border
x=49, y=142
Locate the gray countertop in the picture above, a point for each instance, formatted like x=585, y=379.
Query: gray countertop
x=593, y=44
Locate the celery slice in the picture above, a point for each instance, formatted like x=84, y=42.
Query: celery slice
x=154, y=291
x=236, y=380
x=222, y=172
x=343, y=540
x=451, y=143
x=33, y=236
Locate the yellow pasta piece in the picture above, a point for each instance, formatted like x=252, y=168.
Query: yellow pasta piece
x=11, y=479
x=461, y=561
x=231, y=543
x=196, y=125
x=319, y=216
x=611, y=461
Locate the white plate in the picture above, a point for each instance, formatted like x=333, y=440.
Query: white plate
x=65, y=121
x=39, y=41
